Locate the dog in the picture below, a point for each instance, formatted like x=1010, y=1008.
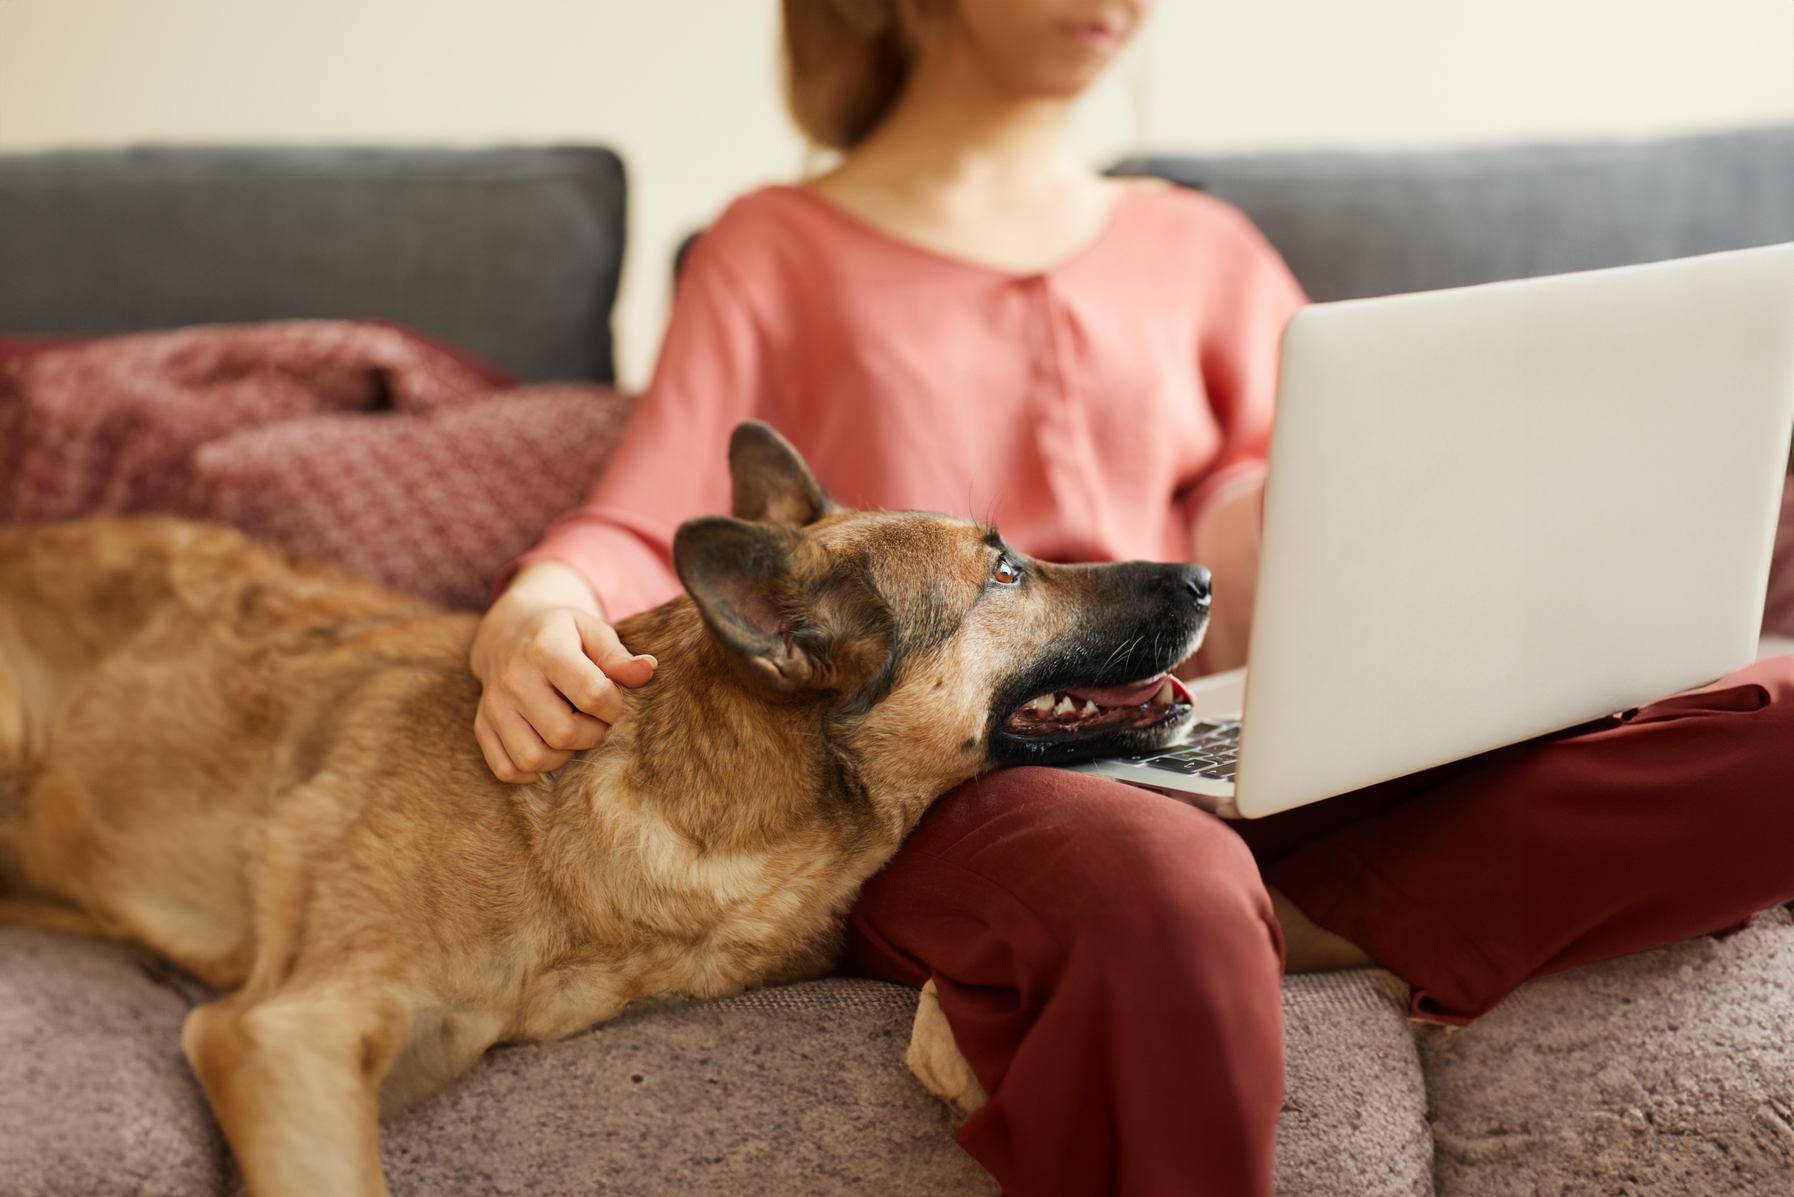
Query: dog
x=264, y=770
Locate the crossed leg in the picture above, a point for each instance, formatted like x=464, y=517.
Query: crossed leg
x=1670, y=821
x=1040, y=903
x=1110, y=967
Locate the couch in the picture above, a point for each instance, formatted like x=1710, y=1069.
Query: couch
x=1669, y=1072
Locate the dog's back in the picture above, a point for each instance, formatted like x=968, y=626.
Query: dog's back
x=149, y=671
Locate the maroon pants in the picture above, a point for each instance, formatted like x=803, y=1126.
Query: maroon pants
x=1110, y=965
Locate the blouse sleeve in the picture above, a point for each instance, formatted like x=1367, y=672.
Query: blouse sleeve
x=1239, y=353
x=672, y=461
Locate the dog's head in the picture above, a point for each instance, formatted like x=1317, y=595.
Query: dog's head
x=928, y=638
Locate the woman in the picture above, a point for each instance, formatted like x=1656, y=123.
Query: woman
x=960, y=317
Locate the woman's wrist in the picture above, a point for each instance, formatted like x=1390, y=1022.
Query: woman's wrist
x=535, y=588
x=551, y=584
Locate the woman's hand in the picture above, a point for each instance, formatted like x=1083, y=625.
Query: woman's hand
x=550, y=666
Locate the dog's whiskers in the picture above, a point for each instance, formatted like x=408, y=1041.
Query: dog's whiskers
x=1123, y=650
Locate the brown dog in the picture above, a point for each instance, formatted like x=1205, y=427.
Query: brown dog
x=265, y=771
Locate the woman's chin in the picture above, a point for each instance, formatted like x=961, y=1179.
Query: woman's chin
x=1060, y=81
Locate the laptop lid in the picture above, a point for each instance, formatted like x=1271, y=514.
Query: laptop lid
x=1503, y=510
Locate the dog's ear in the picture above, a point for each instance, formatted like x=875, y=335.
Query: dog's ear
x=781, y=601
x=772, y=483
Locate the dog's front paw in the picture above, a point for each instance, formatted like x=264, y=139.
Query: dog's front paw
x=935, y=1059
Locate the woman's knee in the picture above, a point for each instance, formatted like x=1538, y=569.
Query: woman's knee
x=1095, y=857
x=1013, y=874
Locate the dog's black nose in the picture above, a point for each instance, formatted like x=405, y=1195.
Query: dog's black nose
x=1197, y=582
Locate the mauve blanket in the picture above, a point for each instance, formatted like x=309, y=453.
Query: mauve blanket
x=362, y=444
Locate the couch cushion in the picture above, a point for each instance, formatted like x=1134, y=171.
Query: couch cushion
x=511, y=253
x=1353, y=225
x=95, y=1096
x=1664, y=1072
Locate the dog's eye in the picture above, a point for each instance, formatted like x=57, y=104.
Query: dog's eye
x=1005, y=573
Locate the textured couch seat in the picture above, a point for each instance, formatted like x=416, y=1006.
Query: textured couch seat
x=797, y=1090
x=1665, y=1072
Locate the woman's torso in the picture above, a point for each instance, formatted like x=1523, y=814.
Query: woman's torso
x=1083, y=410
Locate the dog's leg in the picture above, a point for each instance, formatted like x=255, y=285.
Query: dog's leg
x=936, y=1061
x=47, y=916
x=16, y=722
x=294, y=1080
x=442, y=1045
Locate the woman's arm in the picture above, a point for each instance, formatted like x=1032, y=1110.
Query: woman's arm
x=551, y=665
x=1239, y=368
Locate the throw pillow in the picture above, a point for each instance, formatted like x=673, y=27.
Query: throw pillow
x=435, y=503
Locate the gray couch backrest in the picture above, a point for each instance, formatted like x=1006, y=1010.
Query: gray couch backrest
x=1352, y=225
x=511, y=253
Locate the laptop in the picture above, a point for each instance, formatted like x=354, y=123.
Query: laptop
x=1497, y=512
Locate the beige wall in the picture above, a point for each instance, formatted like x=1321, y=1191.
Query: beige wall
x=686, y=90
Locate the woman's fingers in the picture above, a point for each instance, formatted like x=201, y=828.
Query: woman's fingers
x=556, y=691
x=575, y=679
x=588, y=672
x=538, y=685
x=617, y=663
x=558, y=725
x=514, y=754
x=525, y=728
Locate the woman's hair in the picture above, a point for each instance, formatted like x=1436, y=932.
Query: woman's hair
x=846, y=62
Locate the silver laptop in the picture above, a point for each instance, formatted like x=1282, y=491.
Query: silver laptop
x=1497, y=512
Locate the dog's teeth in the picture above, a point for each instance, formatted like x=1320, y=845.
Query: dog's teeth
x=1043, y=703
x=1090, y=709
x=1164, y=694
x=1065, y=707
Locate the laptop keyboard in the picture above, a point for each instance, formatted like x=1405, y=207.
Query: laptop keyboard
x=1210, y=752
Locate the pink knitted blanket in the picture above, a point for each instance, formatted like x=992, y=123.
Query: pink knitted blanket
x=362, y=444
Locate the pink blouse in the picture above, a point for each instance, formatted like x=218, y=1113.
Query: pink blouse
x=1088, y=411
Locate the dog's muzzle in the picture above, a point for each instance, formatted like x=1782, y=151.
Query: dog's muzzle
x=1103, y=687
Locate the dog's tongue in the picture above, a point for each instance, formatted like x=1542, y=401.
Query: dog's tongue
x=1120, y=696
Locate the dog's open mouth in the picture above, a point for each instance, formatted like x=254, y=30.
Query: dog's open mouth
x=1074, y=714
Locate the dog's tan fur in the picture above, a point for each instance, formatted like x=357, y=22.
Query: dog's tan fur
x=264, y=770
